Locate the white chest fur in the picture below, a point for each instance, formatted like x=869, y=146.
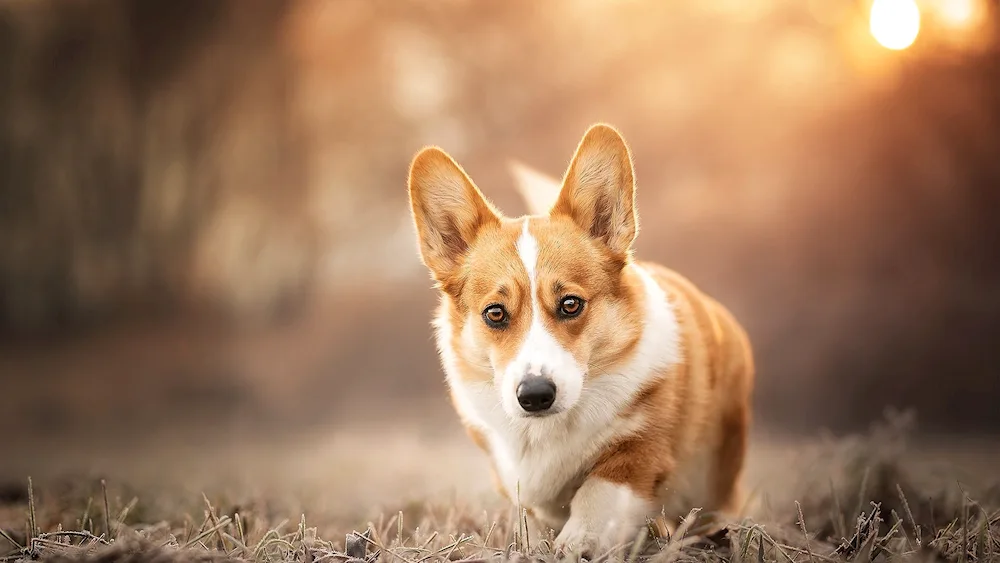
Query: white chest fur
x=538, y=458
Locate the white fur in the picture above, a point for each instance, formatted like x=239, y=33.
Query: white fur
x=603, y=513
x=542, y=459
x=540, y=352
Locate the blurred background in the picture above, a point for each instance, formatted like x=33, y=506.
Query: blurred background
x=204, y=230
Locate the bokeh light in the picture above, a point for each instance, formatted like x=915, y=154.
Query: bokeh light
x=963, y=15
x=957, y=12
x=895, y=23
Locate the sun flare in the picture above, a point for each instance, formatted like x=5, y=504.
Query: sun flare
x=895, y=23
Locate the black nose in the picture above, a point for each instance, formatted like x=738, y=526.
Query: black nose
x=536, y=394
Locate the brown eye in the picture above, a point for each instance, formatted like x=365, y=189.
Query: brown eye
x=495, y=316
x=570, y=307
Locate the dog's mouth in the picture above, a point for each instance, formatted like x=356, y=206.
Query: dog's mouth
x=555, y=411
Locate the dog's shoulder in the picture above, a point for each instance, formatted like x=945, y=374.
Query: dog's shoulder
x=713, y=342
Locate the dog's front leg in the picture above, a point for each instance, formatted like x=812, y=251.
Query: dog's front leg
x=603, y=514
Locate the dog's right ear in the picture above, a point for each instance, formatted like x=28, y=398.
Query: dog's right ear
x=448, y=210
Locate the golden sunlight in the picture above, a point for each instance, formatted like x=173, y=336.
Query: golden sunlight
x=895, y=23
x=958, y=13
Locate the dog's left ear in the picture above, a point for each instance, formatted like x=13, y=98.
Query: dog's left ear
x=598, y=191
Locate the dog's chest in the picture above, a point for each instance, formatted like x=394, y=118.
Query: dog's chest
x=539, y=474
x=541, y=461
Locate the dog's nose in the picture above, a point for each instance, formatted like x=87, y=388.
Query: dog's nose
x=536, y=394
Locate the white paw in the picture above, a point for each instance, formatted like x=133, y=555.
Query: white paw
x=603, y=517
x=576, y=538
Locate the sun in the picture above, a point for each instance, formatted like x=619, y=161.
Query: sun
x=895, y=23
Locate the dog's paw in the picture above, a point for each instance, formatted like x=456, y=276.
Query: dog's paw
x=575, y=539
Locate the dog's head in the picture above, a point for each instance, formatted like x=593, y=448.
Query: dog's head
x=538, y=305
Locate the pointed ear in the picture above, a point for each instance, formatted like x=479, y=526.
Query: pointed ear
x=598, y=192
x=448, y=210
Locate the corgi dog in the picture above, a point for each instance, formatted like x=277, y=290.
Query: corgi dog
x=605, y=391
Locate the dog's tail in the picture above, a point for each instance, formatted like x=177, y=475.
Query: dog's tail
x=539, y=190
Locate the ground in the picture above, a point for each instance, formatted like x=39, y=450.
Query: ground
x=417, y=498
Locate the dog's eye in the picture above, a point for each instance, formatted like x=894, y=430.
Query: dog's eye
x=495, y=316
x=570, y=307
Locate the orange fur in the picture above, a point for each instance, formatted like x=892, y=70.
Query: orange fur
x=704, y=408
x=655, y=377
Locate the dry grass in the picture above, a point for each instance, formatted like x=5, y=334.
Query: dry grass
x=857, y=501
